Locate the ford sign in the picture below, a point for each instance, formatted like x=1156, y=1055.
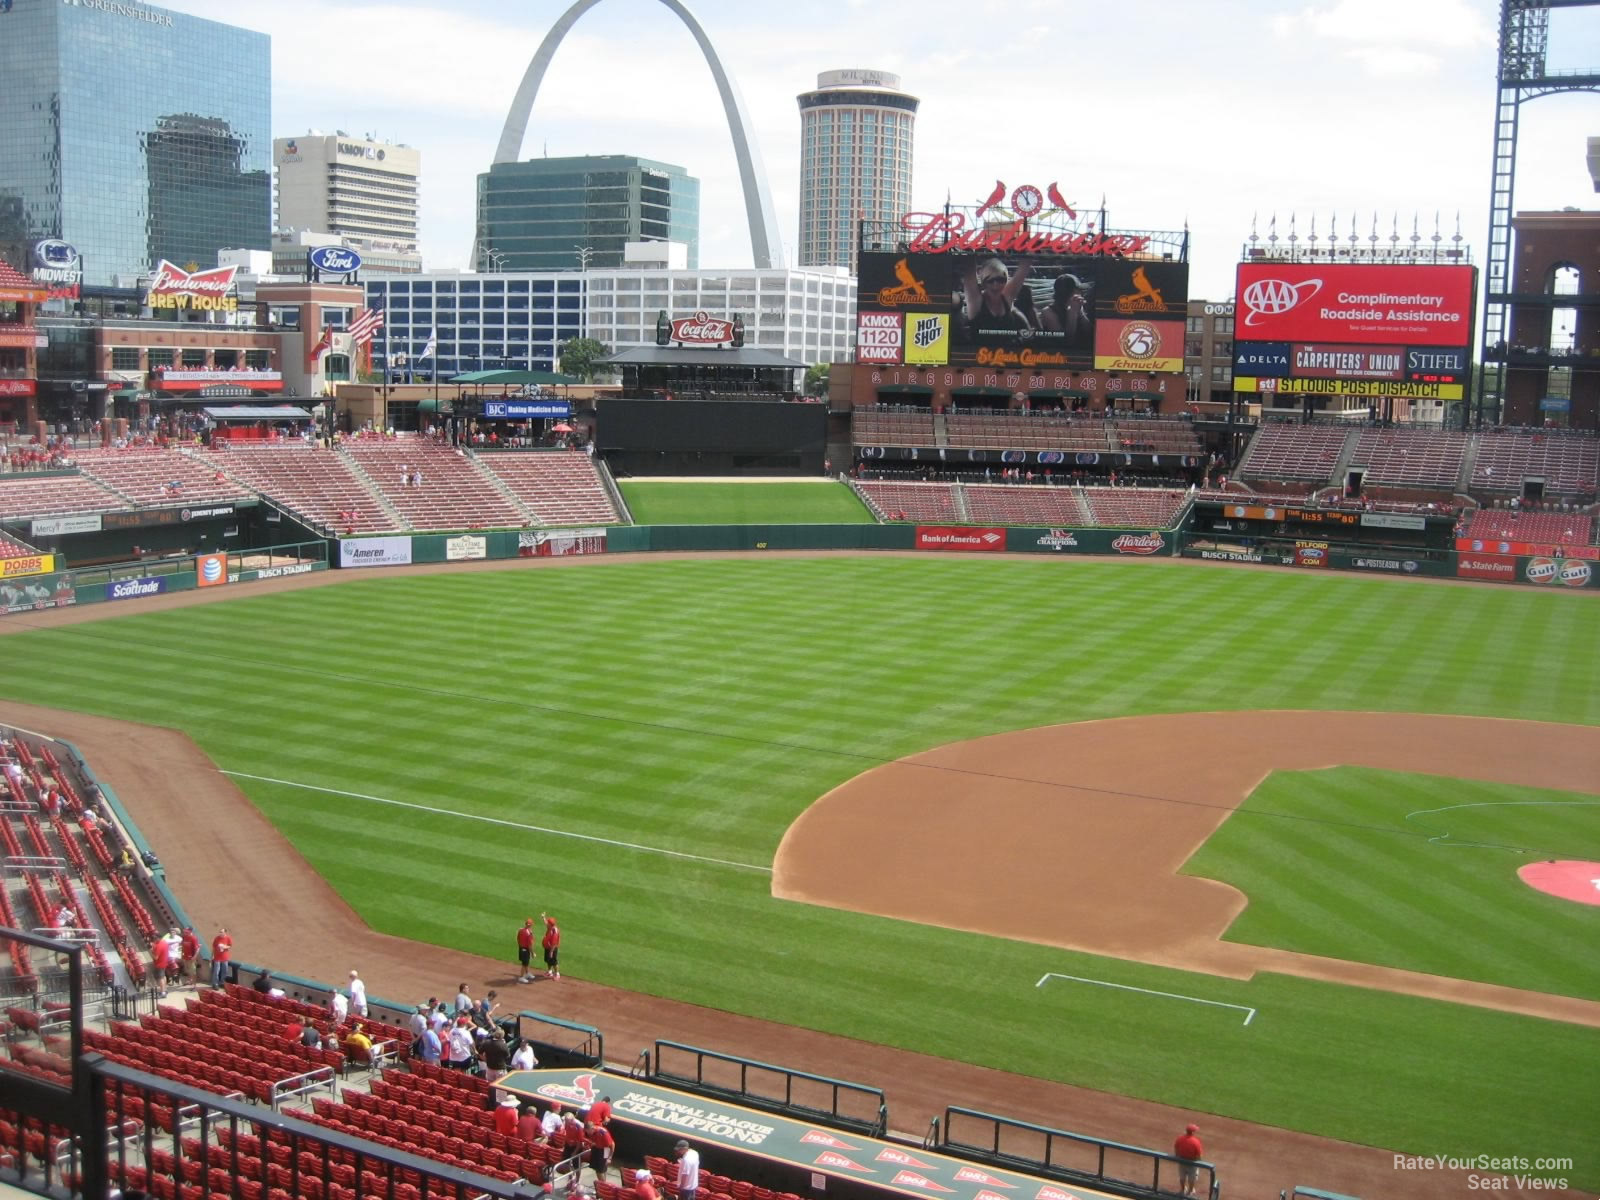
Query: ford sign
x=335, y=260
x=53, y=252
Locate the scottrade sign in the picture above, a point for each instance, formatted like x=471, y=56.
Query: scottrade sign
x=1367, y=304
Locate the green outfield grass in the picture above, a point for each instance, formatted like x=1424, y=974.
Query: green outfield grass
x=809, y=503
x=702, y=704
x=1412, y=871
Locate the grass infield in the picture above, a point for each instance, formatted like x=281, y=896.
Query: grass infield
x=810, y=503
x=702, y=704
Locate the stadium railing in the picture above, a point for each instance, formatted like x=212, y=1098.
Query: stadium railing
x=1133, y=1171
x=782, y=1090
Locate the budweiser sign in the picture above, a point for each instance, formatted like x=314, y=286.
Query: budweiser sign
x=703, y=329
x=1138, y=543
x=936, y=233
x=210, y=290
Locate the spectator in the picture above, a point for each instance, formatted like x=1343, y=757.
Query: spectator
x=459, y=1044
x=417, y=1025
x=429, y=1048
x=221, y=956
x=525, y=950
x=688, y=1170
x=524, y=1059
x=528, y=1128
x=188, y=949
x=645, y=1185
x=463, y=1000
x=552, y=947
x=358, y=995
x=1189, y=1152
x=602, y=1147
x=358, y=1046
x=506, y=1115
x=551, y=1124
x=492, y=1049
x=600, y=1111
x=339, y=1006
x=263, y=983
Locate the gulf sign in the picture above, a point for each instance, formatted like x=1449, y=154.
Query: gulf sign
x=1355, y=303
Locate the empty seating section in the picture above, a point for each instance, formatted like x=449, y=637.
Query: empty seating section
x=1143, y=508
x=1569, y=466
x=1155, y=437
x=454, y=493
x=1285, y=451
x=35, y=495
x=559, y=487
x=10, y=548
x=1416, y=458
x=999, y=504
x=1025, y=431
x=316, y=484
x=881, y=426
x=148, y=475
x=933, y=502
x=1544, y=528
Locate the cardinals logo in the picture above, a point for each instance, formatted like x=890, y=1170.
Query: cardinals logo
x=580, y=1091
x=1026, y=202
x=1145, y=296
x=910, y=289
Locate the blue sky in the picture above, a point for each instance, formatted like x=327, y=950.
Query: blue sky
x=1214, y=113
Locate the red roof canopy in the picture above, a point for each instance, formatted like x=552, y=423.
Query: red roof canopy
x=16, y=286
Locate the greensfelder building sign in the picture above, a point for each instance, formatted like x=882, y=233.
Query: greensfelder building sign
x=711, y=1125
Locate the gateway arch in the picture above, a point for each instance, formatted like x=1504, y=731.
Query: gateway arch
x=765, y=245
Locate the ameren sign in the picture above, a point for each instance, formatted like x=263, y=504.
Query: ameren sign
x=1352, y=387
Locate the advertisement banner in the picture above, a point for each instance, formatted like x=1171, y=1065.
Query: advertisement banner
x=56, y=526
x=38, y=595
x=946, y=537
x=526, y=410
x=1525, y=549
x=199, y=291
x=1361, y=303
x=210, y=570
x=878, y=337
x=131, y=589
x=927, y=339
x=1138, y=346
x=1041, y=311
x=1311, y=554
x=27, y=564
x=375, y=552
x=1502, y=568
x=1139, y=543
x=176, y=379
x=1352, y=387
x=459, y=549
x=1268, y=359
x=1321, y=361
x=18, y=387
x=1546, y=571
x=1380, y=562
x=559, y=543
x=1393, y=521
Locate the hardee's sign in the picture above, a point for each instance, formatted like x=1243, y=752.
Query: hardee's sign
x=200, y=291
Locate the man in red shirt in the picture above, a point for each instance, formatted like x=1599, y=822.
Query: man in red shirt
x=505, y=1116
x=552, y=947
x=601, y=1148
x=221, y=955
x=600, y=1111
x=189, y=947
x=525, y=950
x=1189, y=1152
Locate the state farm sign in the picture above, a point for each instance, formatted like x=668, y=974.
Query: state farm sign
x=201, y=291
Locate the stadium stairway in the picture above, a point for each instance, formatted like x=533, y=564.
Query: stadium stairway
x=941, y=429
x=378, y=497
x=1469, y=467
x=1341, y=465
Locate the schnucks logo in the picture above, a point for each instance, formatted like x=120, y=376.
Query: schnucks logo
x=1274, y=297
x=335, y=260
x=1138, y=543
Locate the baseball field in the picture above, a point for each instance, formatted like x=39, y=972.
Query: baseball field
x=650, y=747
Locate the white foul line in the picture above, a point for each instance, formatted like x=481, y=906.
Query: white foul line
x=450, y=812
x=1250, y=1013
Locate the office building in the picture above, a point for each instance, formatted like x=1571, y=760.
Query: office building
x=856, y=133
x=171, y=161
x=553, y=214
x=361, y=191
x=518, y=320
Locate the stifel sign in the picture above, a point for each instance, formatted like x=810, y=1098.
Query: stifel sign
x=201, y=291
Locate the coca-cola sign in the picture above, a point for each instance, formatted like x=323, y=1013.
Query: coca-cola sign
x=703, y=329
x=210, y=290
x=1138, y=543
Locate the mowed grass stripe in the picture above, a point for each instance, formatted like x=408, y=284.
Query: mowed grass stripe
x=702, y=704
x=1374, y=888
x=810, y=503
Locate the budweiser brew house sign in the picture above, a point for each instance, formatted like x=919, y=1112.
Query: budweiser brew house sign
x=197, y=291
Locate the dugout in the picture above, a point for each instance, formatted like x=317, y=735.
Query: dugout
x=733, y=435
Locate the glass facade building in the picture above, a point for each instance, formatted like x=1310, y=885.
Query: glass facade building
x=133, y=133
x=552, y=214
x=518, y=321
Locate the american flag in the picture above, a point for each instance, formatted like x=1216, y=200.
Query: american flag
x=365, y=326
